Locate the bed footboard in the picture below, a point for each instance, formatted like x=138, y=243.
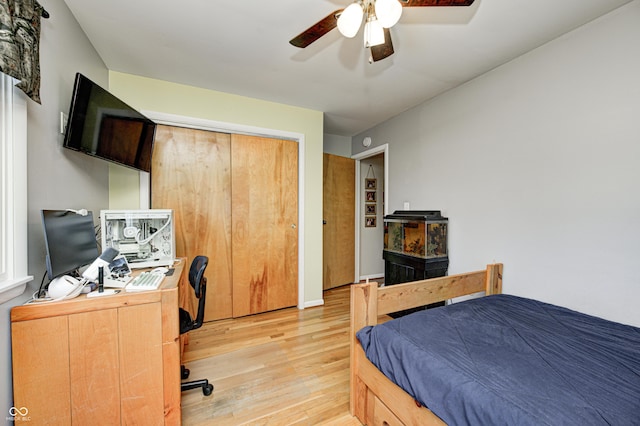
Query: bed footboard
x=374, y=398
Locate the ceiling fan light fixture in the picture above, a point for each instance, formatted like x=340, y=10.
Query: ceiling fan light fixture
x=379, y=16
x=350, y=20
x=388, y=12
x=373, y=33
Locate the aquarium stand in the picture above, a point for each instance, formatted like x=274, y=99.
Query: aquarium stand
x=399, y=268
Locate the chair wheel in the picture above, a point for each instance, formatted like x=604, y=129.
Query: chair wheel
x=185, y=373
x=207, y=390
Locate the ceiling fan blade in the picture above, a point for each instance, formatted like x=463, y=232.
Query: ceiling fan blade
x=423, y=3
x=317, y=30
x=382, y=51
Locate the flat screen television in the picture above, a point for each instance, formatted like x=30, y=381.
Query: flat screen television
x=70, y=240
x=103, y=126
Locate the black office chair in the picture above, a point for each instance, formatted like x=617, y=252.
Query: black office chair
x=199, y=284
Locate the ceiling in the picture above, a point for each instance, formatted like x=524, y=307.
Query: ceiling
x=242, y=47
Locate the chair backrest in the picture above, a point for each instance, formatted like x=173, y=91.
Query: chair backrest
x=199, y=283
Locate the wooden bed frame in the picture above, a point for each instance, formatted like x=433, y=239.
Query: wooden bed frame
x=375, y=400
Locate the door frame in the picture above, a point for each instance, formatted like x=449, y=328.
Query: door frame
x=223, y=127
x=381, y=149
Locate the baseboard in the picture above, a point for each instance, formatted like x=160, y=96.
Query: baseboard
x=312, y=303
x=373, y=277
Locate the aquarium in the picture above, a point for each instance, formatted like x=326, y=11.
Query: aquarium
x=417, y=233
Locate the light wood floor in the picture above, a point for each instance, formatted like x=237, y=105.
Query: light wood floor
x=288, y=367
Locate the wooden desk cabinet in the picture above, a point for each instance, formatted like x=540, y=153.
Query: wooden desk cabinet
x=106, y=360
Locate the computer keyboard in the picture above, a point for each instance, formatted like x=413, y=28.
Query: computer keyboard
x=145, y=281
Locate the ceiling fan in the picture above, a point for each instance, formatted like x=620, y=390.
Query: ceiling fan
x=378, y=16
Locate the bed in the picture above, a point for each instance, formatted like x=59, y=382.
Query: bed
x=497, y=359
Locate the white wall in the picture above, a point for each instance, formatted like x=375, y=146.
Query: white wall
x=536, y=164
x=57, y=178
x=336, y=145
x=371, y=238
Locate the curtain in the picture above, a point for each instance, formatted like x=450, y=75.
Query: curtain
x=20, y=43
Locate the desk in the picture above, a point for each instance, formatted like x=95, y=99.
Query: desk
x=112, y=359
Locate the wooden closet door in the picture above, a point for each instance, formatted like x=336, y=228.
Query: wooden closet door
x=264, y=222
x=191, y=175
x=338, y=212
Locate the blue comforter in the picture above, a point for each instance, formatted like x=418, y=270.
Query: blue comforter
x=506, y=360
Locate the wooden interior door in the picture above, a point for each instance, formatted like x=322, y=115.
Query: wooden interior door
x=338, y=212
x=191, y=174
x=264, y=223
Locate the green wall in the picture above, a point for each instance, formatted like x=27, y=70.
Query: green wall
x=171, y=98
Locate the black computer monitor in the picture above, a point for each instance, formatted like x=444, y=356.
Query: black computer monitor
x=70, y=240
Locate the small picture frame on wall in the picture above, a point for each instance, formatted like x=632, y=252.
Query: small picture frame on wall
x=370, y=209
x=370, y=183
x=370, y=196
x=370, y=221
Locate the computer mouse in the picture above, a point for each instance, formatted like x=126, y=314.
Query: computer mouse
x=161, y=270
